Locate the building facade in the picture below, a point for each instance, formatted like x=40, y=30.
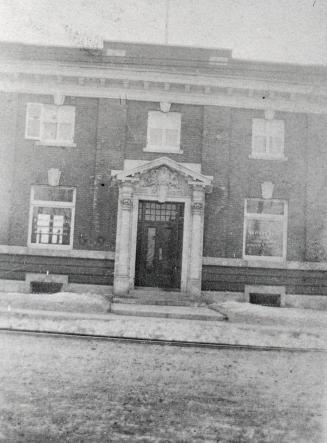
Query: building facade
x=157, y=166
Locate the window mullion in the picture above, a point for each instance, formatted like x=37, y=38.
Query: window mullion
x=164, y=136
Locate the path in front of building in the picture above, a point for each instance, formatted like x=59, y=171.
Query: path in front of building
x=65, y=390
x=87, y=314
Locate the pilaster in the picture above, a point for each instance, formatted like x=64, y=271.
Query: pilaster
x=123, y=242
x=196, y=249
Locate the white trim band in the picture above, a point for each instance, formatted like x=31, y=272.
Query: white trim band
x=241, y=263
x=72, y=253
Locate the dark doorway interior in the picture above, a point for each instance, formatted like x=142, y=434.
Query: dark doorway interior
x=159, y=244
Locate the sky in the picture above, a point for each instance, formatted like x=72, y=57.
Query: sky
x=292, y=31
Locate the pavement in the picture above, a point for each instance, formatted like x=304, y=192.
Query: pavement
x=228, y=323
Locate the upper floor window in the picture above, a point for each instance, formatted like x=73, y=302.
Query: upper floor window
x=52, y=217
x=50, y=124
x=164, y=132
x=267, y=139
x=265, y=228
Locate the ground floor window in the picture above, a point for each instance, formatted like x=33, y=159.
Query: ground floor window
x=52, y=216
x=265, y=228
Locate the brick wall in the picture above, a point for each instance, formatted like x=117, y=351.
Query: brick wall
x=111, y=135
x=316, y=233
x=32, y=163
x=226, y=151
x=108, y=130
x=79, y=270
x=215, y=162
x=229, y=278
x=8, y=111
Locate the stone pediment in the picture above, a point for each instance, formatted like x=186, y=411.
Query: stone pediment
x=164, y=171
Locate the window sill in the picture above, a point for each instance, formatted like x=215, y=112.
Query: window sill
x=55, y=143
x=163, y=150
x=267, y=157
x=45, y=246
x=260, y=258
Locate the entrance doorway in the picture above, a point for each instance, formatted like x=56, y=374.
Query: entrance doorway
x=159, y=244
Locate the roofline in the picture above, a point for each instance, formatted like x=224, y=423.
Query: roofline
x=277, y=63
x=42, y=45
x=233, y=61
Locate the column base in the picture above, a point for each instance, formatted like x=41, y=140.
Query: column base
x=121, y=285
x=194, y=287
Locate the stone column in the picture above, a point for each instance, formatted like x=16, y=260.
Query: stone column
x=196, y=250
x=123, y=247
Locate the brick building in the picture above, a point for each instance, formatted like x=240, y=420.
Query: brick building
x=161, y=166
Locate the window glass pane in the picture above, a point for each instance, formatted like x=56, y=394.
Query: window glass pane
x=264, y=238
x=265, y=207
x=65, y=132
x=155, y=119
x=155, y=136
x=50, y=113
x=172, y=137
x=164, y=129
x=51, y=225
x=49, y=193
x=49, y=131
x=33, y=120
x=276, y=146
x=259, y=127
x=58, y=229
x=150, y=247
x=33, y=127
x=42, y=228
x=66, y=114
x=172, y=120
x=259, y=144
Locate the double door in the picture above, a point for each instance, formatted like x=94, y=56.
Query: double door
x=159, y=244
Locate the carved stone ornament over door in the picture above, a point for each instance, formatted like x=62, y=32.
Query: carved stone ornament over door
x=161, y=182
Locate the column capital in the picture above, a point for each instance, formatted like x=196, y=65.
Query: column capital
x=197, y=207
x=126, y=187
x=126, y=203
x=198, y=187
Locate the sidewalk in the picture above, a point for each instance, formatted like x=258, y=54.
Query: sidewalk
x=88, y=314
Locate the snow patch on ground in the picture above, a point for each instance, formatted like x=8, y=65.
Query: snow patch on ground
x=60, y=301
x=251, y=313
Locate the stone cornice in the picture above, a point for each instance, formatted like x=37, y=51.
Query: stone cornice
x=142, y=84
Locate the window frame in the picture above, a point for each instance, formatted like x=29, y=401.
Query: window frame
x=163, y=148
x=41, y=140
x=51, y=204
x=253, y=216
x=268, y=155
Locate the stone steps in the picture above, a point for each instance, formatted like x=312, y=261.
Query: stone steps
x=169, y=312
x=158, y=297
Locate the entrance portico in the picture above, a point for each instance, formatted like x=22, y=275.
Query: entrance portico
x=163, y=181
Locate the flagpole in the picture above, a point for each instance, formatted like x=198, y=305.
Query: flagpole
x=166, y=21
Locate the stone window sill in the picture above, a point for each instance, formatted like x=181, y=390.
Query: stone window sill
x=162, y=150
x=267, y=157
x=56, y=144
